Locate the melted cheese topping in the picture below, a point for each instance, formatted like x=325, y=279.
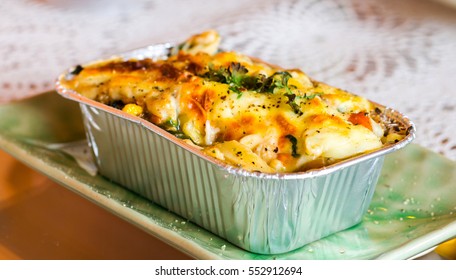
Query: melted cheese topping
x=240, y=110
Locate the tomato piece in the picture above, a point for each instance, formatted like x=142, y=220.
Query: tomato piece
x=360, y=118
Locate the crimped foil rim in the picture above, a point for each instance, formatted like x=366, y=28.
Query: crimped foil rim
x=139, y=54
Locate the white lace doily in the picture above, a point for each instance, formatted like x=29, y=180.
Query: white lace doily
x=398, y=53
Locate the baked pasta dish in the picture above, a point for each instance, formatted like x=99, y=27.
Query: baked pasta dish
x=237, y=109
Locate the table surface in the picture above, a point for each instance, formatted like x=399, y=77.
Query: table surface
x=43, y=220
x=397, y=53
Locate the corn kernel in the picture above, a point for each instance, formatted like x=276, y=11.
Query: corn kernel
x=133, y=109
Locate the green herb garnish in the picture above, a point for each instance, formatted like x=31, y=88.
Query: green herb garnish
x=294, y=145
x=172, y=126
x=277, y=80
x=292, y=102
x=312, y=96
x=236, y=76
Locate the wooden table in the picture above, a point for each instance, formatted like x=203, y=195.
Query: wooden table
x=40, y=219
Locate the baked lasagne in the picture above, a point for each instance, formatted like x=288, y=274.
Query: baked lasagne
x=238, y=109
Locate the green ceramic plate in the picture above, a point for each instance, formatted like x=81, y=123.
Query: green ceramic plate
x=413, y=208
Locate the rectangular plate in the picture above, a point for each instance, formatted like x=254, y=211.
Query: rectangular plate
x=413, y=208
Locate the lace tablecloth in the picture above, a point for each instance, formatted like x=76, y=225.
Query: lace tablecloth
x=398, y=53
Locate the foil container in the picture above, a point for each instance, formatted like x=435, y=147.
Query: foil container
x=261, y=213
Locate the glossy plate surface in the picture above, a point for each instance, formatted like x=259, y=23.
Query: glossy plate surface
x=413, y=208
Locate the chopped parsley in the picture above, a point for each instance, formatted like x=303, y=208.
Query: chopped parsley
x=294, y=145
x=312, y=96
x=294, y=106
x=277, y=80
x=236, y=76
